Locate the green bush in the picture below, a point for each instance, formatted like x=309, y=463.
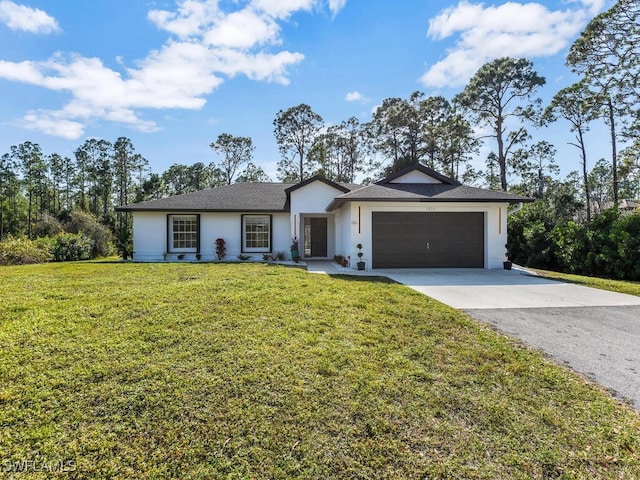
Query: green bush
x=529, y=234
x=22, y=251
x=85, y=223
x=70, y=247
x=625, y=235
x=607, y=247
x=47, y=226
x=570, y=246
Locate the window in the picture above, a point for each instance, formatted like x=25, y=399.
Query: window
x=256, y=233
x=184, y=233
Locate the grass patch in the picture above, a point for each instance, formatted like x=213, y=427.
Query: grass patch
x=253, y=371
x=620, y=286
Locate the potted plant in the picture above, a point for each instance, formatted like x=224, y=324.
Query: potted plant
x=360, y=263
x=295, y=252
x=220, y=248
x=507, y=264
x=345, y=261
x=198, y=256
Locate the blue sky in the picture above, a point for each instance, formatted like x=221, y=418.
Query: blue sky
x=172, y=75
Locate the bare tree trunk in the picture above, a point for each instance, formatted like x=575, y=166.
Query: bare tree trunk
x=29, y=214
x=614, y=153
x=502, y=161
x=585, y=174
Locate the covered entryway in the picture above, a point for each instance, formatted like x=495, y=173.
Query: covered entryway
x=428, y=239
x=315, y=237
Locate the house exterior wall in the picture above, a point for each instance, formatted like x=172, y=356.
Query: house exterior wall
x=357, y=226
x=312, y=201
x=150, y=235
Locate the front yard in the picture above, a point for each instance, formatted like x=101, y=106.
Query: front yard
x=253, y=371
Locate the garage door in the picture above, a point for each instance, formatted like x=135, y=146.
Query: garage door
x=428, y=240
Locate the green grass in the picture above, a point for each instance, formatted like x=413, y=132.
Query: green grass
x=252, y=371
x=620, y=286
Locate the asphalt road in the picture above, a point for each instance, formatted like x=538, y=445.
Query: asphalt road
x=602, y=343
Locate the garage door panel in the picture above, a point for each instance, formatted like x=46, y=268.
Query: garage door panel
x=428, y=239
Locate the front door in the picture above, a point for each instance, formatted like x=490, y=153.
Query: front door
x=315, y=237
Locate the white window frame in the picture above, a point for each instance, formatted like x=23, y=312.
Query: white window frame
x=250, y=220
x=171, y=237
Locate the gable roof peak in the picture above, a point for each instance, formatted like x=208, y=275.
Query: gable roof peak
x=418, y=167
x=317, y=178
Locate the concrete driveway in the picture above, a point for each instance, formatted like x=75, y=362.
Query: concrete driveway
x=464, y=289
x=594, y=332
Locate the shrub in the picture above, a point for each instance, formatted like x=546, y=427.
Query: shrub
x=47, y=226
x=22, y=251
x=71, y=246
x=570, y=246
x=220, y=248
x=100, y=236
x=607, y=247
x=529, y=236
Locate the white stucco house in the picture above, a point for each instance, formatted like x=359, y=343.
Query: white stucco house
x=414, y=218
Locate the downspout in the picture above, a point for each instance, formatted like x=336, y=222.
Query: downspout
x=516, y=209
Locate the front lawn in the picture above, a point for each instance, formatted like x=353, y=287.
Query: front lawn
x=620, y=286
x=253, y=371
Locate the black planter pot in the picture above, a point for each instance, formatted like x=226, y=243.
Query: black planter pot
x=507, y=265
x=360, y=265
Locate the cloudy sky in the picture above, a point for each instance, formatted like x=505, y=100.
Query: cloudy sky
x=173, y=74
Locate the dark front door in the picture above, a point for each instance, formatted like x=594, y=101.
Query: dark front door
x=315, y=239
x=428, y=240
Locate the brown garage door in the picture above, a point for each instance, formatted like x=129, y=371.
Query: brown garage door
x=428, y=240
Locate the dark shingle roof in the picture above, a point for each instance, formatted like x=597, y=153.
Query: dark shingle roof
x=240, y=197
x=274, y=197
x=424, y=192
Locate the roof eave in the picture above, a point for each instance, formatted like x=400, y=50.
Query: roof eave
x=197, y=210
x=337, y=203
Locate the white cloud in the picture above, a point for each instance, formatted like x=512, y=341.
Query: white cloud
x=207, y=44
x=189, y=20
x=355, y=96
x=282, y=9
x=20, y=17
x=243, y=29
x=50, y=123
x=336, y=5
x=593, y=6
x=511, y=29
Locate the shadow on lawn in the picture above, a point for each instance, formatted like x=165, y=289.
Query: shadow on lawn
x=363, y=278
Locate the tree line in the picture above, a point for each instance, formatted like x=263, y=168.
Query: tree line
x=101, y=176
